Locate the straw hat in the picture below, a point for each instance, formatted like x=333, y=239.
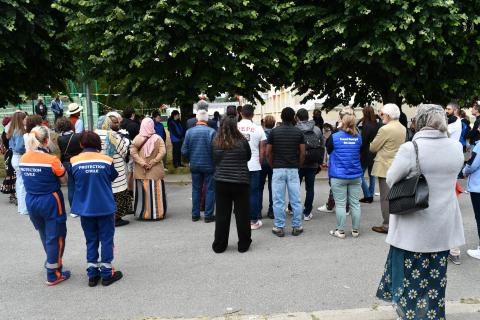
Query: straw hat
x=73, y=108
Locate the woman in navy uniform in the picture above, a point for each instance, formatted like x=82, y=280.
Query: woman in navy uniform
x=93, y=201
x=43, y=174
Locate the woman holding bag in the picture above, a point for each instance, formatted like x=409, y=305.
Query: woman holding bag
x=147, y=151
x=415, y=276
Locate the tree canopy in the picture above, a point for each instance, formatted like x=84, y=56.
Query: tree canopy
x=167, y=50
x=415, y=51
x=34, y=57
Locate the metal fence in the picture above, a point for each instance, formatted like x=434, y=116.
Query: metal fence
x=29, y=107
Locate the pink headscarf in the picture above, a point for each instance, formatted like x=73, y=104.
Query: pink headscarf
x=147, y=131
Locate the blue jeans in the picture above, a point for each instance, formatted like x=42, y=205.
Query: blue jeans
x=283, y=179
x=266, y=173
x=255, y=212
x=368, y=189
x=342, y=190
x=197, y=183
x=309, y=175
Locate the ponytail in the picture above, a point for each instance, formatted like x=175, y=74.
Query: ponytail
x=37, y=138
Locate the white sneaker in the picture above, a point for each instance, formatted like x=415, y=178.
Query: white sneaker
x=324, y=209
x=348, y=212
x=337, y=233
x=73, y=215
x=377, y=194
x=308, y=218
x=474, y=253
x=257, y=225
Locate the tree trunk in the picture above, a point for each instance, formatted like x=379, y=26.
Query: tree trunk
x=186, y=110
x=392, y=97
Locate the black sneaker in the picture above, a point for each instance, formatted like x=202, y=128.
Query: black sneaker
x=209, y=219
x=92, y=282
x=120, y=222
x=297, y=231
x=195, y=219
x=270, y=215
x=116, y=276
x=278, y=232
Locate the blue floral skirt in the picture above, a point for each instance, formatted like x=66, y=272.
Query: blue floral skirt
x=415, y=283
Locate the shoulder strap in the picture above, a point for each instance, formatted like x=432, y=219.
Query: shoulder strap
x=416, y=157
x=68, y=144
x=143, y=143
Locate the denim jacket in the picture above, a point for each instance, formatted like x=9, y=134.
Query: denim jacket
x=17, y=143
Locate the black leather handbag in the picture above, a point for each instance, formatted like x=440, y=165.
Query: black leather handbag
x=409, y=195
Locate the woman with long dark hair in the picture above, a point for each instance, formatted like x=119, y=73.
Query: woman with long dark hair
x=231, y=153
x=369, y=131
x=177, y=133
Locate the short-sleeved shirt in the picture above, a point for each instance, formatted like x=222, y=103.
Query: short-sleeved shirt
x=40, y=172
x=254, y=135
x=285, y=141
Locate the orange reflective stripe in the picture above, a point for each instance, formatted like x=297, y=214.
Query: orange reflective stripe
x=60, y=250
x=159, y=200
x=59, y=203
x=145, y=186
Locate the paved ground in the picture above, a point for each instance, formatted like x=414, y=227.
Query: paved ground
x=171, y=271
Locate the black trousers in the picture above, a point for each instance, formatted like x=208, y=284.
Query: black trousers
x=177, y=154
x=226, y=195
x=475, y=196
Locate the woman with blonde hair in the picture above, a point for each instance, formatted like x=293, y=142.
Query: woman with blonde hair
x=17, y=144
x=345, y=172
x=43, y=174
x=147, y=151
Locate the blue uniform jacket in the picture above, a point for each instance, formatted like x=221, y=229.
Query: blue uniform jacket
x=93, y=174
x=40, y=172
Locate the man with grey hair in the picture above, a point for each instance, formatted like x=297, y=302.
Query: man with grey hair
x=201, y=105
x=197, y=148
x=386, y=144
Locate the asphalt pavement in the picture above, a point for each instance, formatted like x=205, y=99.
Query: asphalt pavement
x=171, y=271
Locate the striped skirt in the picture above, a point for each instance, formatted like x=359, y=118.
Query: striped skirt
x=150, y=199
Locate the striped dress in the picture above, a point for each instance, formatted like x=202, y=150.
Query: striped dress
x=120, y=184
x=123, y=198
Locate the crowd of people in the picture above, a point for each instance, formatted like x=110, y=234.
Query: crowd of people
x=118, y=169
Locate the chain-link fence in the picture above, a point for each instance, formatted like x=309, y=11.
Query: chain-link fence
x=29, y=107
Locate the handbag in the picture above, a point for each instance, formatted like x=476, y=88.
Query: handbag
x=409, y=194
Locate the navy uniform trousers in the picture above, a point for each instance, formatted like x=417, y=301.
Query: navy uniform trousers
x=48, y=216
x=99, y=229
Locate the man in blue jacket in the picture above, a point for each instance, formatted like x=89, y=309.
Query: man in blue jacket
x=197, y=148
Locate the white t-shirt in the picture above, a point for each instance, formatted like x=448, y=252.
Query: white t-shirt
x=254, y=135
x=455, y=129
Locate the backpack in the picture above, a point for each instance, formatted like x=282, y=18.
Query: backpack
x=313, y=147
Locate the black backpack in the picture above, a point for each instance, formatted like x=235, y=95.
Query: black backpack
x=313, y=147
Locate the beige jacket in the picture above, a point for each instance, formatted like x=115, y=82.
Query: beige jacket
x=155, y=159
x=386, y=144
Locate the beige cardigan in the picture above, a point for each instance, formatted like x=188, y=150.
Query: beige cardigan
x=386, y=144
x=155, y=159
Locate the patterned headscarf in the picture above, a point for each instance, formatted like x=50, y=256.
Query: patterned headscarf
x=111, y=140
x=431, y=117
